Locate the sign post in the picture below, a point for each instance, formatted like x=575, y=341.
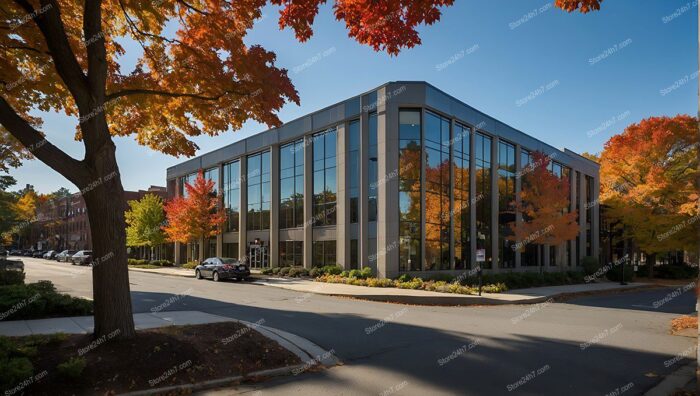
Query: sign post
x=480, y=258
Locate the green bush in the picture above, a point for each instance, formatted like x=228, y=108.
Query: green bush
x=162, y=263
x=366, y=272
x=332, y=269
x=669, y=271
x=615, y=273
x=15, y=365
x=355, y=274
x=276, y=270
x=297, y=272
x=72, y=368
x=39, y=300
x=522, y=280
x=404, y=278
x=344, y=274
x=266, y=271
x=284, y=271
x=590, y=265
x=190, y=265
x=11, y=277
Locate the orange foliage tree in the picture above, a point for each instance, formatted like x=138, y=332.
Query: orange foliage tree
x=544, y=204
x=648, y=175
x=195, y=216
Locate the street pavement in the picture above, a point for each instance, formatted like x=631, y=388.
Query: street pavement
x=588, y=346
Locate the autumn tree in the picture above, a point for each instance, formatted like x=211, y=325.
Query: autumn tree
x=145, y=219
x=196, y=216
x=62, y=55
x=8, y=215
x=648, y=175
x=544, y=205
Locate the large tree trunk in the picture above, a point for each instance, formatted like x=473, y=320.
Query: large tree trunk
x=651, y=260
x=110, y=275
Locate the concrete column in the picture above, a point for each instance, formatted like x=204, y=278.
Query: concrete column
x=220, y=235
x=572, y=208
x=518, y=200
x=472, y=199
x=595, y=224
x=423, y=260
x=494, y=204
x=274, y=205
x=581, y=190
x=176, y=249
x=242, y=217
x=308, y=201
x=452, y=196
x=387, y=187
x=363, y=204
x=342, y=201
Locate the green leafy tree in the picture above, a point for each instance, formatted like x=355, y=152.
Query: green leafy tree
x=144, y=220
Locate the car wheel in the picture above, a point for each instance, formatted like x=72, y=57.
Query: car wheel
x=239, y=279
x=215, y=277
x=72, y=262
x=197, y=274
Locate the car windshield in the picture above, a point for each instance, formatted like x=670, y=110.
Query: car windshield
x=226, y=260
x=87, y=251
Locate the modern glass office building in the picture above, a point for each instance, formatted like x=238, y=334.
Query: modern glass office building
x=403, y=178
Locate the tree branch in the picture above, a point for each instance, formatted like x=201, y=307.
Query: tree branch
x=35, y=142
x=128, y=92
x=67, y=66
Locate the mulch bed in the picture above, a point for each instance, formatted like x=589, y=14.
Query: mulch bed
x=158, y=358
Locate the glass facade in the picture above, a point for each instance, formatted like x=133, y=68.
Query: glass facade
x=462, y=209
x=324, y=181
x=291, y=210
x=213, y=175
x=258, y=184
x=410, y=204
x=506, y=204
x=230, y=250
x=291, y=253
x=232, y=195
x=353, y=169
x=372, y=168
x=189, y=179
x=324, y=253
x=482, y=161
x=437, y=192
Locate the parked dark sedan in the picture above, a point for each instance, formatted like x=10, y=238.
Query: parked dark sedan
x=83, y=257
x=65, y=255
x=218, y=268
x=49, y=255
x=38, y=253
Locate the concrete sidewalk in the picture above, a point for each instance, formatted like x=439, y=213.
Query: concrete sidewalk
x=173, y=271
x=422, y=297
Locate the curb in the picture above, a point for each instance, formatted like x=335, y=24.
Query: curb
x=673, y=381
x=218, y=382
x=456, y=300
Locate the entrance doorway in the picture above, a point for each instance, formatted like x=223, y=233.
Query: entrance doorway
x=257, y=255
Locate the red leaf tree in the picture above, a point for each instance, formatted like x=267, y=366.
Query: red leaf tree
x=195, y=216
x=544, y=201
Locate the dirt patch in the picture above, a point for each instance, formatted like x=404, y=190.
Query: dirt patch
x=157, y=358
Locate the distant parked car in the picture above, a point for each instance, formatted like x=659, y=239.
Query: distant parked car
x=50, y=254
x=65, y=255
x=83, y=257
x=218, y=268
x=3, y=253
x=15, y=252
x=38, y=253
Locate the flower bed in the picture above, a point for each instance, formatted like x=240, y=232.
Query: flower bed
x=414, y=283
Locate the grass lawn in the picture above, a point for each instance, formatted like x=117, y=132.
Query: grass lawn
x=155, y=358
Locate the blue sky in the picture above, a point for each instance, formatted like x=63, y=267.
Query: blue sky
x=570, y=80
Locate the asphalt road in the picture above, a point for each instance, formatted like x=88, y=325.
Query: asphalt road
x=590, y=346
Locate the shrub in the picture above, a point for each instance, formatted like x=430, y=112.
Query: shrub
x=441, y=277
x=11, y=277
x=590, y=265
x=190, y=265
x=404, y=278
x=275, y=270
x=315, y=272
x=72, y=368
x=332, y=269
x=266, y=271
x=162, y=263
x=669, y=271
x=298, y=271
x=354, y=274
x=15, y=366
x=40, y=300
x=344, y=274
x=284, y=271
x=366, y=272
x=415, y=283
x=615, y=273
